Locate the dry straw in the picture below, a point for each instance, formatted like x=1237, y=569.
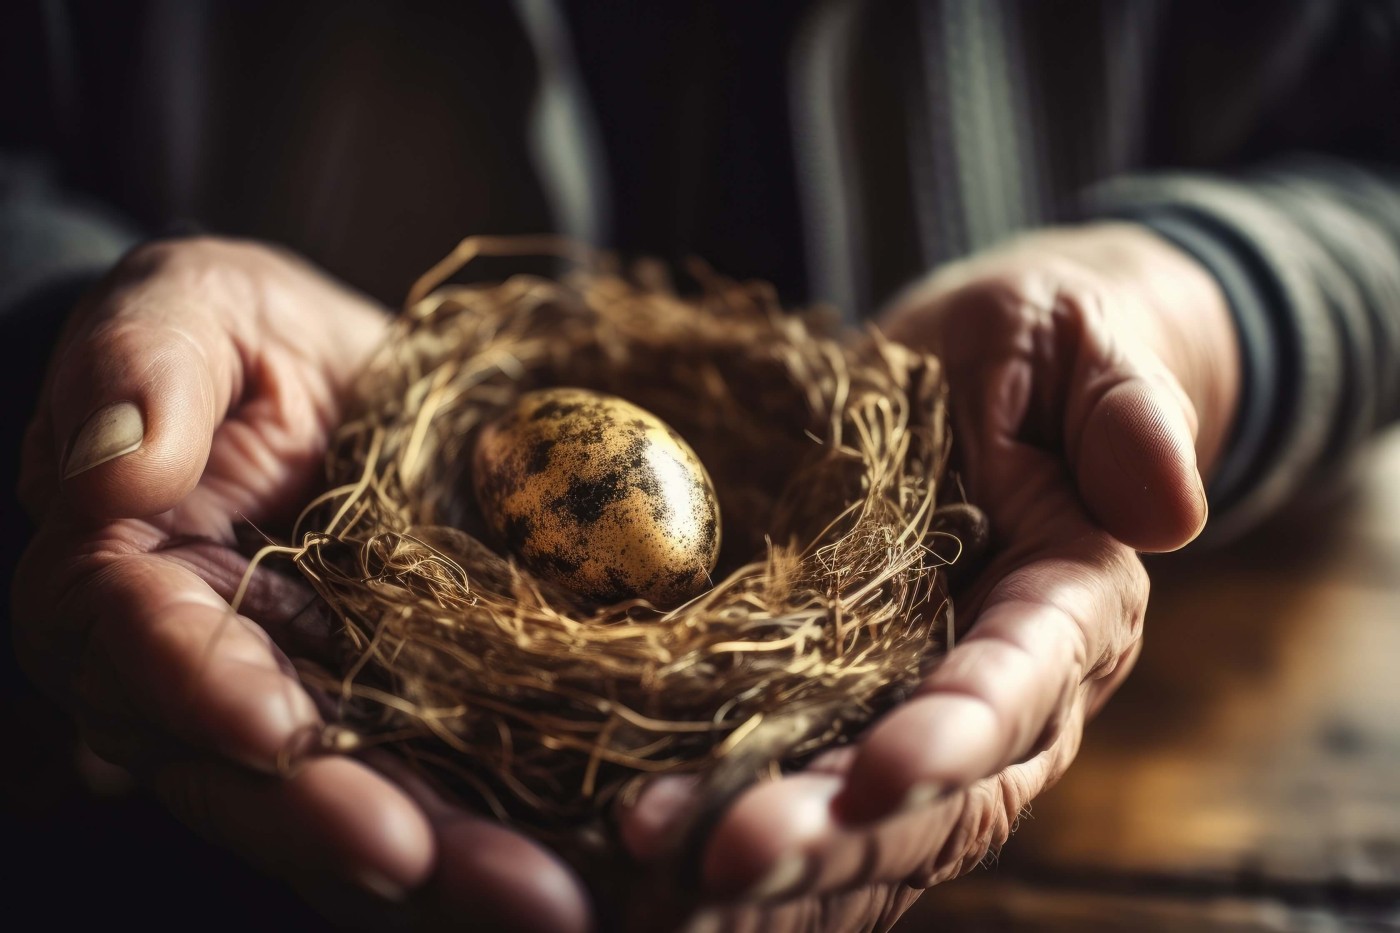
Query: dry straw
x=827, y=455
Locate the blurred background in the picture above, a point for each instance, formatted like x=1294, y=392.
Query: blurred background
x=1246, y=778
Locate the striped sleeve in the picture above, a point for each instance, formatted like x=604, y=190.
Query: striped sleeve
x=1307, y=251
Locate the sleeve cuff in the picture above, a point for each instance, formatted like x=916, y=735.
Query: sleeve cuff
x=1264, y=350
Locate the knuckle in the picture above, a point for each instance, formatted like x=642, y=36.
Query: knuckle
x=1129, y=658
x=986, y=820
x=1057, y=758
x=1012, y=302
x=997, y=818
x=1079, y=637
x=123, y=336
x=950, y=860
x=1115, y=672
x=159, y=256
x=1082, y=300
x=208, y=265
x=1132, y=610
x=994, y=810
x=1074, y=633
x=1110, y=620
x=984, y=308
x=1053, y=730
x=156, y=257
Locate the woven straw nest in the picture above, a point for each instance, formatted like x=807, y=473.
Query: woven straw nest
x=828, y=457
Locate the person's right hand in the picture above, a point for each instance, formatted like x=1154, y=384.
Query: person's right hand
x=194, y=394
x=1092, y=376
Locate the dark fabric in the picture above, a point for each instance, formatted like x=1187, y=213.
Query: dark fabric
x=1265, y=351
x=692, y=99
x=1324, y=266
x=369, y=136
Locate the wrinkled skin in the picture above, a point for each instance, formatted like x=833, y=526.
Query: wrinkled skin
x=239, y=356
x=1091, y=377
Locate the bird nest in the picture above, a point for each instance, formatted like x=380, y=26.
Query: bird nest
x=828, y=457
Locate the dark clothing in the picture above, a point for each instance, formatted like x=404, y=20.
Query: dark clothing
x=838, y=148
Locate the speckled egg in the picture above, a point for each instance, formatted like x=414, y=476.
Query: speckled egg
x=599, y=495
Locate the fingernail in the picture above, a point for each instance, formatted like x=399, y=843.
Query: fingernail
x=781, y=879
x=111, y=432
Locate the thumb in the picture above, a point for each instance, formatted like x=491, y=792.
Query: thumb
x=1135, y=464
x=137, y=393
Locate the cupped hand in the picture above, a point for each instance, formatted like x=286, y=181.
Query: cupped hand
x=192, y=399
x=1092, y=376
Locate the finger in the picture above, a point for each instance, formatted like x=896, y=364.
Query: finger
x=1044, y=365
x=1129, y=427
x=138, y=390
x=654, y=825
x=1003, y=694
x=183, y=332
x=163, y=646
x=499, y=880
x=488, y=876
x=332, y=821
x=985, y=706
x=1101, y=689
x=760, y=847
x=931, y=844
x=1135, y=463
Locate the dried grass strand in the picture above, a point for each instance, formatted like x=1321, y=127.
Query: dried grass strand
x=828, y=454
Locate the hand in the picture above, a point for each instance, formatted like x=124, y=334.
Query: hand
x=191, y=398
x=1092, y=378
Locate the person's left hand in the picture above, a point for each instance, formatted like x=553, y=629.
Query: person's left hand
x=1092, y=378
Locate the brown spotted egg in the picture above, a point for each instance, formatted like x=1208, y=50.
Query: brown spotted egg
x=599, y=495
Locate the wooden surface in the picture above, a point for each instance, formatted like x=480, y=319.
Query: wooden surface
x=1247, y=777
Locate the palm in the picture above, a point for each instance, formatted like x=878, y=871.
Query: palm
x=239, y=358
x=1074, y=439
x=1043, y=536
